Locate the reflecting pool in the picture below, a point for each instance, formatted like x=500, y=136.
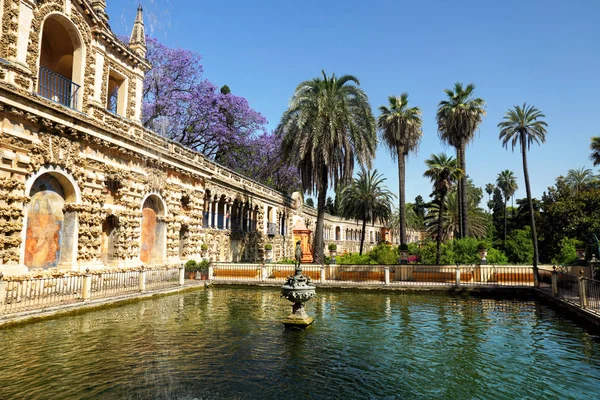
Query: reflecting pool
x=229, y=343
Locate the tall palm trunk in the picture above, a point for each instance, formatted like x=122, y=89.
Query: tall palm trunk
x=401, y=192
x=463, y=192
x=459, y=197
x=530, y=202
x=318, y=256
x=505, y=205
x=362, y=235
x=438, y=253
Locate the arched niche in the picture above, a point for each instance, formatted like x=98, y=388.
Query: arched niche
x=51, y=229
x=61, y=61
x=109, y=239
x=184, y=239
x=153, y=234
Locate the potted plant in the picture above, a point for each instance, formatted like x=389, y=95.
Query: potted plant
x=483, y=251
x=332, y=252
x=203, y=269
x=403, y=250
x=580, y=250
x=204, y=251
x=268, y=252
x=191, y=268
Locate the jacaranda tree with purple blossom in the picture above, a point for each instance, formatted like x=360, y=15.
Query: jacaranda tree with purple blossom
x=181, y=105
x=260, y=159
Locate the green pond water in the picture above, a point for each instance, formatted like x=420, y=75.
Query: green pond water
x=227, y=343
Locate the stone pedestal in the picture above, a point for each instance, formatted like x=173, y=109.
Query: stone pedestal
x=298, y=319
x=298, y=289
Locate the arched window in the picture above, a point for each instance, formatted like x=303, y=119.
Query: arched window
x=152, y=249
x=338, y=232
x=50, y=232
x=61, y=62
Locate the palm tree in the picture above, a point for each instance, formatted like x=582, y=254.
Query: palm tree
x=489, y=189
x=401, y=129
x=443, y=172
x=507, y=182
x=478, y=220
x=413, y=222
x=368, y=200
x=595, y=147
x=524, y=126
x=458, y=118
x=328, y=124
x=580, y=179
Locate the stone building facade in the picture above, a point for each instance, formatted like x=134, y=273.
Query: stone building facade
x=84, y=185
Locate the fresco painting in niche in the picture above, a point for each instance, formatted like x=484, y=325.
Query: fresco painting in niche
x=44, y=224
x=153, y=231
x=148, y=234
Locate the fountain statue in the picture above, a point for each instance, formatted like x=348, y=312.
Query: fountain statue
x=298, y=289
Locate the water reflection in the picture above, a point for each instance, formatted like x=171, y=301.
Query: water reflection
x=230, y=343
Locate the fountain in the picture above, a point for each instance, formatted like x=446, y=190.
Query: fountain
x=298, y=289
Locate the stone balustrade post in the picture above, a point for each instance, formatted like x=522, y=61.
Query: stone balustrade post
x=322, y=274
x=263, y=272
x=583, y=290
x=3, y=285
x=210, y=271
x=536, y=277
x=457, y=275
x=554, y=281
x=386, y=274
x=181, y=275
x=142, y=281
x=87, y=287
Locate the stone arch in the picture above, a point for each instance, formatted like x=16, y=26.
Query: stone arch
x=338, y=233
x=153, y=230
x=50, y=234
x=61, y=60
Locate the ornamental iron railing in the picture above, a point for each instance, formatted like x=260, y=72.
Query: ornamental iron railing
x=57, y=88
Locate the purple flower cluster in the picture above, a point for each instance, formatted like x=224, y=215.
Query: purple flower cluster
x=179, y=104
x=259, y=158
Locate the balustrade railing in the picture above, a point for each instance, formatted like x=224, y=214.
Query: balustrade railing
x=393, y=275
x=57, y=88
x=41, y=292
x=38, y=293
x=162, y=278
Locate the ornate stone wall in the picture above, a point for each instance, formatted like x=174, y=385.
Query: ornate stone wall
x=108, y=165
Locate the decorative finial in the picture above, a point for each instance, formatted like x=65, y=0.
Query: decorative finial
x=138, y=35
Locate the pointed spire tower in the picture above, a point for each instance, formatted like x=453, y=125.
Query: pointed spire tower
x=137, y=42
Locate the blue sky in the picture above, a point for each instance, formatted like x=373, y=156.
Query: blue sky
x=545, y=53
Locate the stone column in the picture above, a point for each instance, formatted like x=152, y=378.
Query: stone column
x=210, y=271
x=209, y=214
x=322, y=274
x=386, y=272
x=263, y=272
x=225, y=215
